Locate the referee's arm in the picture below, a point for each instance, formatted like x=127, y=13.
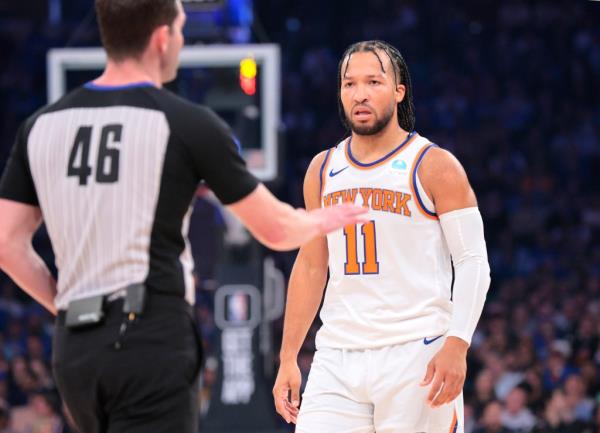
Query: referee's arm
x=281, y=227
x=18, y=223
x=20, y=217
x=274, y=223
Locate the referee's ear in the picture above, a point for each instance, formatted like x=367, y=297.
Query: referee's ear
x=159, y=40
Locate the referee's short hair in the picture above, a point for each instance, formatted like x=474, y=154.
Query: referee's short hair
x=126, y=25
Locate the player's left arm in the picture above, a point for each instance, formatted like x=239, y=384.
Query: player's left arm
x=446, y=183
x=18, y=223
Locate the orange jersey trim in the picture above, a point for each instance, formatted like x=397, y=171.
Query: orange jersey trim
x=454, y=424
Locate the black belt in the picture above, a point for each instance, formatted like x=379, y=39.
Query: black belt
x=113, y=305
x=109, y=307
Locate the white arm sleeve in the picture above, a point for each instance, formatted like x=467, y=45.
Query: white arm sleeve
x=463, y=230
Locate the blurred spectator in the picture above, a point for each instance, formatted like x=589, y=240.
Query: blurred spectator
x=23, y=381
x=491, y=421
x=483, y=393
x=41, y=415
x=557, y=367
x=469, y=418
x=535, y=390
x=516, y=417
x=577, y=400
x=559, y=417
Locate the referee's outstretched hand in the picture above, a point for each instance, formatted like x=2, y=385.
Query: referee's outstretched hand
x=281, y=227
x=286, y=391
x=329, y=219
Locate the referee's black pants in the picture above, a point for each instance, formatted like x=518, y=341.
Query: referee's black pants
x=148, y=385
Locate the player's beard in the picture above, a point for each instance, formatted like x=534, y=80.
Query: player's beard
x=375, y=128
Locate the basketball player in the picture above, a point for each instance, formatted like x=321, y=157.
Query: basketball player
x=391, y=353
x=113, y=167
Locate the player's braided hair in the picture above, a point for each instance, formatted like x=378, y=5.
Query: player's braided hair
x=406, y=108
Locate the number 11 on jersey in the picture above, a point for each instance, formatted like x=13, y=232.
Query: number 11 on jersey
x=370, y=264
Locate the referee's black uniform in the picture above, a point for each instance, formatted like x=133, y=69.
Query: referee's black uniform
x=114, y=171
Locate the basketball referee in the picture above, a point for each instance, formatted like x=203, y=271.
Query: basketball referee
x=112, y=168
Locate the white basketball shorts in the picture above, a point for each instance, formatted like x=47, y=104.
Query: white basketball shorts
x=375, y=390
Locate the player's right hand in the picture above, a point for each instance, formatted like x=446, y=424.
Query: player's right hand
x=286, y=391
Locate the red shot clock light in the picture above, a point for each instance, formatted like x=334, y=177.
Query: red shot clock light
x=248, y=75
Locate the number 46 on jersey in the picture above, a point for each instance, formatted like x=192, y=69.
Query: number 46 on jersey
x=107, y=160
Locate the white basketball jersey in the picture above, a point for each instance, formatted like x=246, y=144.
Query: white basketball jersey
x=390, y=279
